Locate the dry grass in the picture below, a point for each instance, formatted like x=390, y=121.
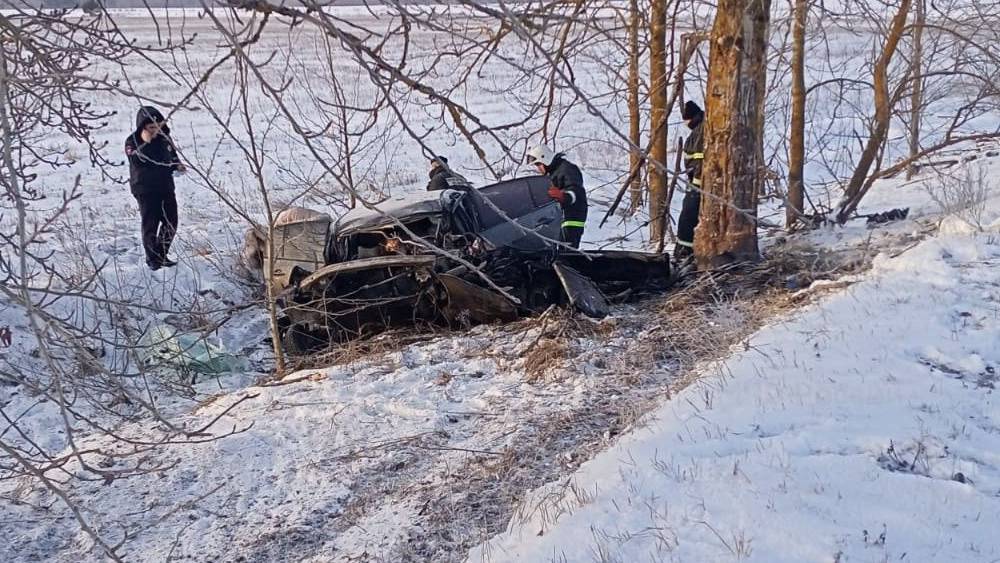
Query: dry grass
x=631, y=361
x=543, y=358
x=962, y=193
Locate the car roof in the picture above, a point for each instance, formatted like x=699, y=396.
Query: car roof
x=415, y=205
x=405, y=207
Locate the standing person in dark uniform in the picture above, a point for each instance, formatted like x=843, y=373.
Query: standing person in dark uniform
x=442, y=177
x=567, y=189
x=694, y=155
x=152, y=162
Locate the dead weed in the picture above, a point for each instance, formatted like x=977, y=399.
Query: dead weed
x=541, y=359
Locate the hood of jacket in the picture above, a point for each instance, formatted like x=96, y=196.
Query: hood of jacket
x=148, y=114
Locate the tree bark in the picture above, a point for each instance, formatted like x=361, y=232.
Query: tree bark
x=796, y=137
x=916, y=74
x=658, y=118
x=883, y=112
x=727, y=227
x=634, y=134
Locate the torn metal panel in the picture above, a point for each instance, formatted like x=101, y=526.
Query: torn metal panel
x=361, y=297
x=639, y=269
x=583, y=293
x=332, y=270
x=477, y=304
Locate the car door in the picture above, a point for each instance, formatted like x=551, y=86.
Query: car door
x=535, y=218
x=539, y=188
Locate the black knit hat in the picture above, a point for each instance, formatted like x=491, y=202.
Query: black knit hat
x=690, y=110
x=439, y=159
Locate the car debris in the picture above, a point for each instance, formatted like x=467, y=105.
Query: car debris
x=455, y=258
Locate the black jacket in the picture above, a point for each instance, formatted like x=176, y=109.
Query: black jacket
x=694, y=151
x=444, y=179
x=566, y=176
x=151, y=165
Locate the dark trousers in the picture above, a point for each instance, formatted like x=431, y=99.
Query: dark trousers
x=158, y=212
x=686, y=224
x=572, y=236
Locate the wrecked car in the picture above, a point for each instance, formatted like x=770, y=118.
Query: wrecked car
x=454, y=258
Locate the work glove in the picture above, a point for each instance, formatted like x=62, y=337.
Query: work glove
x=557, y=194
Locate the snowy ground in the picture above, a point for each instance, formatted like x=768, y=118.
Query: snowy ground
x=419, y=449
x=862, y=428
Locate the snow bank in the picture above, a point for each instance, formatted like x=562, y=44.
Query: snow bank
x=864, y=429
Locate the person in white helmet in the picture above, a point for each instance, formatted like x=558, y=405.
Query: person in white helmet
x=567, y=189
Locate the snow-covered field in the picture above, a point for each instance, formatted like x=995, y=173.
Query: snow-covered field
x=860, y=428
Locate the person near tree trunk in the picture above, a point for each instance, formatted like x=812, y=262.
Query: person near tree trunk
x=694, y=155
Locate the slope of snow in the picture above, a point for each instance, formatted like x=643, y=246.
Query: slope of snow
x=864, y=428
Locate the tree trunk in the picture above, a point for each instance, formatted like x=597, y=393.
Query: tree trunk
x=727, y=228
x=678, y=172
x=348, y=170
x=796, y=137
x=658, y=118
x=883, y=112
x=634, y=135
x=917, y=75
x=272, y=297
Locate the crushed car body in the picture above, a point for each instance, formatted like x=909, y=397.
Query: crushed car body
x=454, y=258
